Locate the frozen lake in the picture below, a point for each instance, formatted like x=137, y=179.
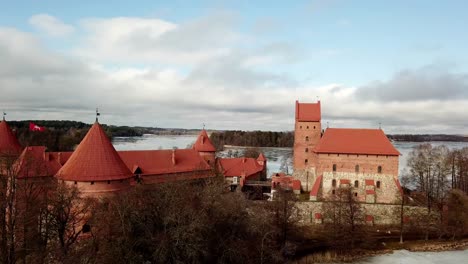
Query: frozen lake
x=275, y=156
x=407, y=257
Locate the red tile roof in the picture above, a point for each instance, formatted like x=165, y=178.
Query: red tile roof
x=316, y=187
x=234, y=167
x=308, y=112
x=34, y=161
x=261, y=157
x=296, y=185
x=61, y=157
x=203, y=143
x=370, y=182
x=356, y=141
x=344, y=181
x=8, y=142
x=154, y=162
x=95, y=159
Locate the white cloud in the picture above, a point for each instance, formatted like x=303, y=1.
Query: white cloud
x=147, y=40
x=50, y=25
x=219, y=83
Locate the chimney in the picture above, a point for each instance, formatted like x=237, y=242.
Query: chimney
x=173, y=157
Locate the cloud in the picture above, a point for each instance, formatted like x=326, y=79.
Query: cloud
x=146, y=40
x=184, y=79
x=50, y=25
x=433, y=82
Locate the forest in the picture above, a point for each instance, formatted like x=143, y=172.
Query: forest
x=252, y=138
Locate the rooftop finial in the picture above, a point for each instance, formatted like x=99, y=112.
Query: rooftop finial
x=97, y=114
x=4, y=114
x=203, y=126
x=327, y=124
x=380, y=125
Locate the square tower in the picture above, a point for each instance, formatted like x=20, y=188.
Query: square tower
x=307, y=134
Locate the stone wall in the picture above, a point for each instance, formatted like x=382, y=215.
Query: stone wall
x=307, y=178
x=384, y=214
x=388, y=192
x=101, y=188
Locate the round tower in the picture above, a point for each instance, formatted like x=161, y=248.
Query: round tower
x=205, y=148
x=95, y=167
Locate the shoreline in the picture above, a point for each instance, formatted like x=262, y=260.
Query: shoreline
x=390, y=248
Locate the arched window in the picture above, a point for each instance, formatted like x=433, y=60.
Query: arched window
x=306, y=149
x=334, y=167
x=307, y=138
x=314, y=127
x=333, y=183
x=356, y=169
x=355, y=194
x=356, y=184
x=306, y=161
x=378, y=184
x=333, y=192
x=379, y=169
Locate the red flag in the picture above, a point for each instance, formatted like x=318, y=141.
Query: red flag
x=34, y=127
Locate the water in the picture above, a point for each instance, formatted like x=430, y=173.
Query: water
x=275, y=156
x=407, y=257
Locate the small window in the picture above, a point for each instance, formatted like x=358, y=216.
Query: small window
x=356, y=168
x=334, y=167
x=356, y=184
x=379, y=169
x=355, y=194
x=333, y=183
x=208, y=161
x=300, y=127
x=306, y=149
x=86, y=228
x=307, y=127
x=108, y=182
x=333, y=192
x=76, y=183
x=307, y=138
x=306, y=161
x=92, y=183
x=314, y=127
x=378, y=184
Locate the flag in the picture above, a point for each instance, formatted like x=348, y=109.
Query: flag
x=34, y=127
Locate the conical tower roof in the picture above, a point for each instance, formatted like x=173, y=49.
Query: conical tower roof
x=261, y=157
x=203, y=143
x=8, y=142
x=95, y=159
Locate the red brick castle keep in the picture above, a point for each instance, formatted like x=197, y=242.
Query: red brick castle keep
x=362, y=159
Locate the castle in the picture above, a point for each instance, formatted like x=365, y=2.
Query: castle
x=363, y=160
x=97, y=169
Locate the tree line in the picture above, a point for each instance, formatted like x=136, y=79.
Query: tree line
x=252, y=138
x=64, y=135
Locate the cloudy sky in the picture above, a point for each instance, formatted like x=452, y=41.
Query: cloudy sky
x=237, y=65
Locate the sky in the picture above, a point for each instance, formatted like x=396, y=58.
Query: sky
x=237, y=64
